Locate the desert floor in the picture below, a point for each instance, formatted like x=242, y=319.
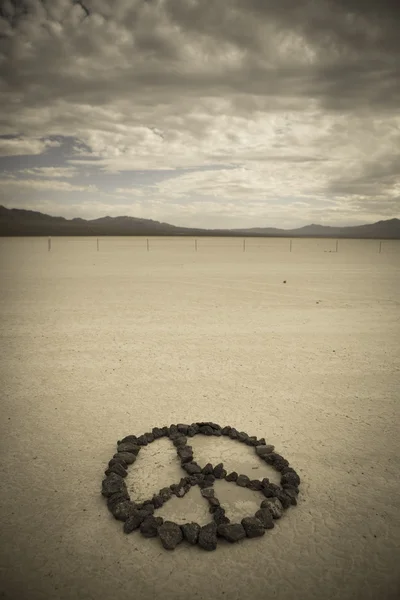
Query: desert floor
x=98, y=344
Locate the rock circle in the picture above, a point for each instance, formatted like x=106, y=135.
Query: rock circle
x=140, y=517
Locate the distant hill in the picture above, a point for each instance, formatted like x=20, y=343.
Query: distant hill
x=18, y=222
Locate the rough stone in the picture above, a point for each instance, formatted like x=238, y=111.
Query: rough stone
x=285, y=499
x=208, y=469
x=158, y=501
x=135, y=520
x=271, y=490
x=242, y=436
x=214, y=503
x=253, y=527
x=242, y=481
x=170, y=535
x=148, y=506
x=166, y=493
x=185, y=454
x=118, y=469
x=142, y=440
x=195, y=427
x=158, y=433
x=233, y=434
x=132, y=439
x=265, y=449
x=290, y=478
x=233, y=532
x=112, y=484
x=274, y=506
x=173, y=430
x=208, y=537
x=179, y=441
x=117, y=498
x=129, y=447
x=206, y=430
x=219, y=471
x=232, y=476
x=255, y=485
x=191, y=532
x=191, y=432
x=226, y=430
x=292, y=493
x=182, y=428
x=118, y=461
x=251, y=441
x=123, y=510
x=149, y=437
x=192, y=468
x=127, y=457
x=208, y=492
x=220, y=517
x=209, y=480
x=261, y=442
x=149, y=527
x=264, y=515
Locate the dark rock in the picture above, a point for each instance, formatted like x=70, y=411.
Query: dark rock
x=191, y=532
x=157, y=433
x=264, y=515
x=242, y=436
x=185, y=454
x=209, y=480
x=127, y=457
x=173, y=430
x=149, y=437
x=179, y=441
x=290, y=478
x=270, y=490
x=149, y=527
x=208, y=492
x=112, y=484
x=232, y=476
x=129, y=447
x=170, y=535
x=148, y=507
x=195, y=427
x=208, y=537
x=214, y=503
x=180, y=492
x=118, y=469
x=243, y=481
x=274, y=506
x=219, y=471
x=132, y=439
x=217, y=432
x=196, y=478
x=157, y=501
x=135, y=520
x=261, y=442
x=123, y=510
x=226, y=430
x=165, y=494
x=233, y=434
x=206, y=430
x=272, y=457
x=292, y=488
x=191, y=432
x=118, y=461
x=165, y=430
x=182, y=428
x=253, y=527
x=231, y=532
x=279, y=465
x=251, y=441
x=255, y=485
x=265, y=449
x=286, y=500
x=220, y=517
x=208, y=469
x=117, y=498
x=142, y=440
x=292, y=495
x=192, y=468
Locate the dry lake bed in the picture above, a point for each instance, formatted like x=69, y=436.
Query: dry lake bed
x=98, y=342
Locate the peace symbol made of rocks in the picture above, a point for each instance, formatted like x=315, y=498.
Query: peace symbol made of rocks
x=141, y=515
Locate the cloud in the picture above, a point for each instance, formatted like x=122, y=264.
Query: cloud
x=43, y=185
x=240, y=104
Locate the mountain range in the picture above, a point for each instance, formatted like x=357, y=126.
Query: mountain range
x=19, y=222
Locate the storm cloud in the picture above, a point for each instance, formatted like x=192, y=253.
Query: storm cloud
x=215, y=114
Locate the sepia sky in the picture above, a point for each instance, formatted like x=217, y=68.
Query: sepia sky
x=204, y=113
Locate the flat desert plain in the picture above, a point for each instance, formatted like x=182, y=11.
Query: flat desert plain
x=100, y=343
